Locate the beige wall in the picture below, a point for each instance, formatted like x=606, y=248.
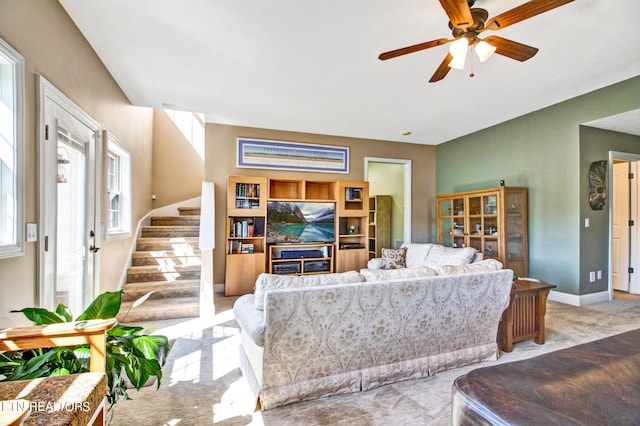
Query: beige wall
x=52, y=46
x=220, y=154
x=178, y=170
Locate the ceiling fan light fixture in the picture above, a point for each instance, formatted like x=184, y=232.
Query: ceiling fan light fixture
x=484, y=50
x=459, y=47
x=458, y=62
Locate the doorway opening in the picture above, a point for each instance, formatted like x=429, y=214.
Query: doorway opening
x=389, y=176
x=624, y=236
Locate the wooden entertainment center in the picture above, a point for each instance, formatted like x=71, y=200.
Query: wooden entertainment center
x=251, y=246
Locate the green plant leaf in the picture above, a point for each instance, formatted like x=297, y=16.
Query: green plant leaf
x=40, y=316
x=64, y=312
x=152, y=347
x=104, y=306
x=123, y=330
x=60, y=372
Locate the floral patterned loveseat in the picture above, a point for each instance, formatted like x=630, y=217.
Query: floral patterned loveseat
x=319, y=335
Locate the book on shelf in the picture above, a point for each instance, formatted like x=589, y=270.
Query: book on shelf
x=246, y=227
x=238, y=247
x=247, y=195
x=353, y=194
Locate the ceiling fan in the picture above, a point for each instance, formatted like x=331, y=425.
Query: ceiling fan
x=467, y=23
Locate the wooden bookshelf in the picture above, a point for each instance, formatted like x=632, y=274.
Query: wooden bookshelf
x=245, y=233
x=379, y=224
x=247, y=252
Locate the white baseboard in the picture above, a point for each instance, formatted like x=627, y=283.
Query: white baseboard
x=578, y=300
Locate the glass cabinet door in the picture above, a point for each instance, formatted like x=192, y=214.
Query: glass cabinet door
x=514, y=223
x=452, y=223
x=490, y=225
x=483, y=224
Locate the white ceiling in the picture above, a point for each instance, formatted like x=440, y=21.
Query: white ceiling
x=312, y=66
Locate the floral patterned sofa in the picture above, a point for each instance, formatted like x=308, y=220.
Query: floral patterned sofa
x=319, y=335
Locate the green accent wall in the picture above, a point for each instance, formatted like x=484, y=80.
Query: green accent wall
x=541, y=151
x=595, y=145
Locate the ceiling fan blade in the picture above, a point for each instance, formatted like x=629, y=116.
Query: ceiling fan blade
x=410, y=49
x=458, y=12
x=442, y=70
x=511, y=49
x=522, y=12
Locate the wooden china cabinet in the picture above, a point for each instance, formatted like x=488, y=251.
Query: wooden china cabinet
x=494, y=221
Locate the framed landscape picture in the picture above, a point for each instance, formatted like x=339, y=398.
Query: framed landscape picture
x=269, y=154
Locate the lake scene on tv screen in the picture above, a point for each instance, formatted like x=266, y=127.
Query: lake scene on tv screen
x=300, y=222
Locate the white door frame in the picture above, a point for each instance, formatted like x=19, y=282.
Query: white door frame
x=50, y=97
x=407, y=188
x=634, y=282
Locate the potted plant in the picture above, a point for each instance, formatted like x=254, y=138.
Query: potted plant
x=131, y=357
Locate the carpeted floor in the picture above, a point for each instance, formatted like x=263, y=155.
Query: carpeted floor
x=202, y=384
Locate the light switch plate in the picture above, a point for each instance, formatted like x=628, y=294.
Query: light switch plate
x=32, y=232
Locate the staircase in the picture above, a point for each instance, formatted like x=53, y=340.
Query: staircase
x=167, y=261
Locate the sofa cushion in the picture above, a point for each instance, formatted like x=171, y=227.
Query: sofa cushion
x=267, y=282
x=394, y=258
x=417, y=253
x=482, y=266
x=441, y=255
x=394, y=274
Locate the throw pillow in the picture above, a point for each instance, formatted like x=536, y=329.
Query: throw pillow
x=472, y=268
x=394, y=258
x=441, y=255
x=394, y=274
x=267, y=282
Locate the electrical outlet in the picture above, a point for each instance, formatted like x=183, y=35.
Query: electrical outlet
x=592, y=276
x=599, y=275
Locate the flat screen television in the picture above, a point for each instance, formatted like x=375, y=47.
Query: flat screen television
x=301, y=222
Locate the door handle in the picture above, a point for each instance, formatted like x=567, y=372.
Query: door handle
x=92, y=247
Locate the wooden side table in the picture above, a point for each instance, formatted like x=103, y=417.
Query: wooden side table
x=524, y=317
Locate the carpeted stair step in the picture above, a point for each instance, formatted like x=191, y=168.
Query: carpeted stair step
x=161, y=289
x=166, y=257
x=170, y=231
x=192, y=220
x=157, y=309
x=189, y=211
x=182, y=244
x=162, y=273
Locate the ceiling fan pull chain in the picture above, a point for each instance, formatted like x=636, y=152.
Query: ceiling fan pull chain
x=471, y=74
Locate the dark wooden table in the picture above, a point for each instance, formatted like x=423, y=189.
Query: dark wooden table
x=524, y=318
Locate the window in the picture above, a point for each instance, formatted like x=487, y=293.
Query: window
x=118, y=189
x=11, y=152
x=191, y=125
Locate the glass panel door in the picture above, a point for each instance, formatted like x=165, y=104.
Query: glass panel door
x=71, y=247
x=69, y=179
